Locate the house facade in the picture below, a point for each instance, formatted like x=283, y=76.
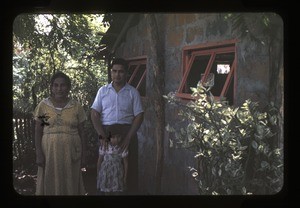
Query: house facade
x=193, y=47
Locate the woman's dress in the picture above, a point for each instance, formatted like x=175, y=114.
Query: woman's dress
x=61, y=146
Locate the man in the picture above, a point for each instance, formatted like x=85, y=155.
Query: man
x=120, y=103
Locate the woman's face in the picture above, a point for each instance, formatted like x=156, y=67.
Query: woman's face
x=60, y=88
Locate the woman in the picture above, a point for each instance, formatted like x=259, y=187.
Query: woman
x=59, y=141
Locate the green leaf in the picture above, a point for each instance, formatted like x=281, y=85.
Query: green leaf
x=244, y=191
x=213, y=171
x=243, y=148
x=254, y=144
x=220, y=172
x=264, y=164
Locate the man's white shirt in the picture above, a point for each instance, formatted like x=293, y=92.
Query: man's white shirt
x=117, y=107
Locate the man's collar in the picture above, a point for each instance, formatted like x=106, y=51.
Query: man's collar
x=126, y=86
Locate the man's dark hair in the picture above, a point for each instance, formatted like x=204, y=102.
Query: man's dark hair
x=120, y=61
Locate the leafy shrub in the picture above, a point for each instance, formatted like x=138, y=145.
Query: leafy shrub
x=236, y=148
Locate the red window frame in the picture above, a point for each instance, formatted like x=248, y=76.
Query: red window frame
x=211, y=50
x=137, y=79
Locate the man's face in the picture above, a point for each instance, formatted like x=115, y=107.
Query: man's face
x=118, y=74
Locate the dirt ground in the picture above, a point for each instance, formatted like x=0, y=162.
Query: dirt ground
x=24, y=183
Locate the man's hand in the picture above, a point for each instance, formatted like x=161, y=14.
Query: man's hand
x=103, y=141
x=125, y=144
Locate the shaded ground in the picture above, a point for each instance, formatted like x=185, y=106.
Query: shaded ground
x=89, y=179
x=24, y=181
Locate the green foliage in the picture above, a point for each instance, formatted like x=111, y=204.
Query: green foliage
x=258, y=27
x=46, y=43
x=234, y=147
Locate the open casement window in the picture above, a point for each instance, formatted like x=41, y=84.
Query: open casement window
x=137, y=74
x=211, y=64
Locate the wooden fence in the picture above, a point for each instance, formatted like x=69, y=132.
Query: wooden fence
x=23, y=145
x=23, y=138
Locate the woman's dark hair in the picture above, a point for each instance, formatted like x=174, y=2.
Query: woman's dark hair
x=120, y=61
x=60, y=75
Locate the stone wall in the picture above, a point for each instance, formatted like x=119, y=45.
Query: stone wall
x=178, y=31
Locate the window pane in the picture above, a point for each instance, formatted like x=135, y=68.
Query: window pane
x=223, y=59
x=138, y=76
x=198, y=67
x=136, y=79
x=216, y=61
x=130, y=71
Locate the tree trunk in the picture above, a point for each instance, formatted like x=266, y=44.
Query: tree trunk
x=276, y=81
x=276, y=56
x=156, y=70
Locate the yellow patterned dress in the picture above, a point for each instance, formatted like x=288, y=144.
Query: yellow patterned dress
x=61, y=146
